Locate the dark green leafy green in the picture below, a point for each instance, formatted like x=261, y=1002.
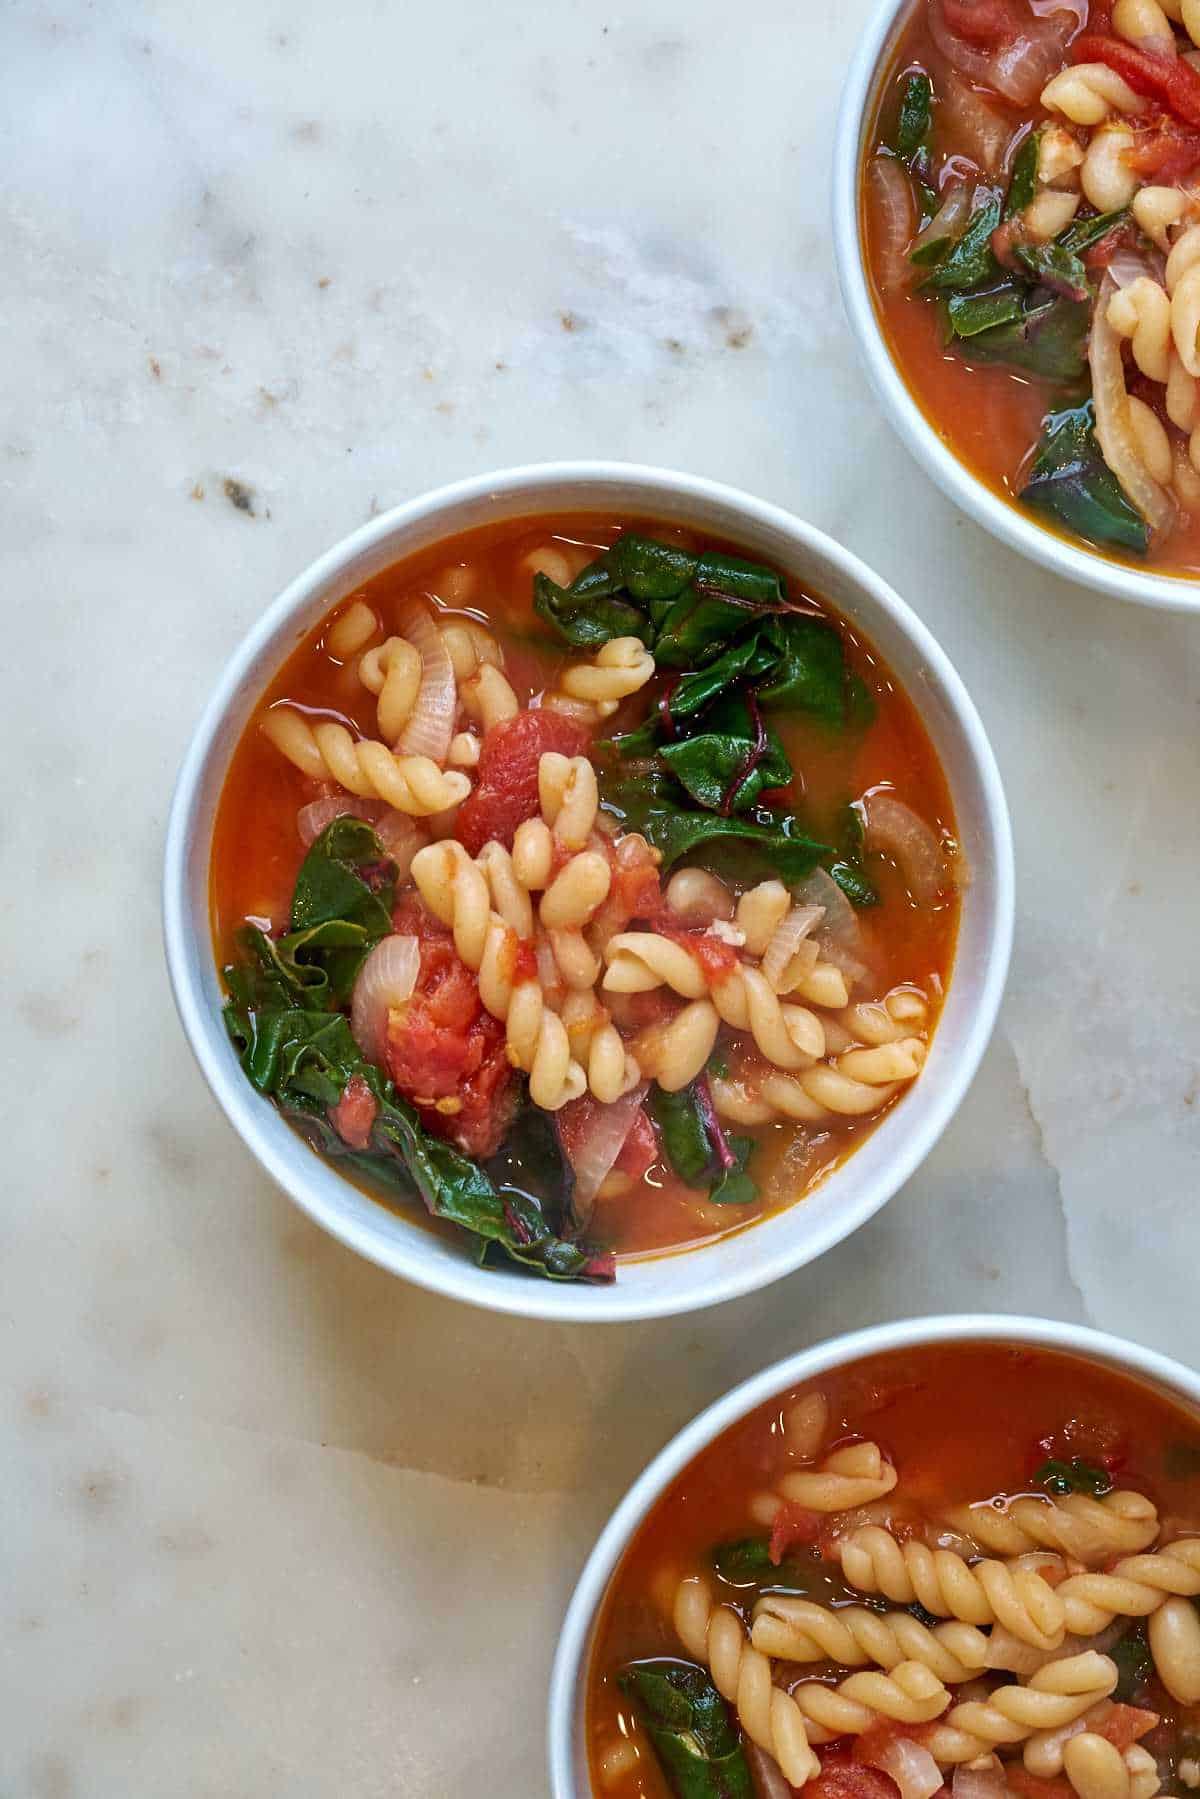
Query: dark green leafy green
x=969, y=314
x=690, y=1727
x=745, y=1562
x=1181, y=1460
x=1071, y=482
x=299, y=1052
x=584, y=619
x=847, y=868
x=1023, y=185
x=1055, y=268
x=653, y=803
x=1135, y=1665
x=914, y=120
x=1081, y=234
x=1048, y=339
x=696, y=1147
x=530, y=1164
x=721, y=767
x=1075, y=1476
x=970, y=263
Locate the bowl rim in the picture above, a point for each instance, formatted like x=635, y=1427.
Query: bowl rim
x=463, y=1279
x=1176, y=593
x=565, y=1697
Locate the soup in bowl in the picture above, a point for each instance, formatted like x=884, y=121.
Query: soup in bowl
x=1018, y=226
x=584, y=883
x=947, y=1555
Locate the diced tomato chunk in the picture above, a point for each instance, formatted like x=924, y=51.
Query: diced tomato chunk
x=353, y=1117
x=506, y=793
x=989, y=22
x=1090, y=1438
x=793, y=1525
x=1164, y=151
x=1125, y=1725
x=639, y=1152
x=444, y=1046
x=1169, y=80
x=841, y=1777
x=716, y=958
x=1034, y=1786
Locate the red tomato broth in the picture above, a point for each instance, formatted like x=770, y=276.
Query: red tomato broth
x=961, y=1422
x=257, y=851
x=990, y=417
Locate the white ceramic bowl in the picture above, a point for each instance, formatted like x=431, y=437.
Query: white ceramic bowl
x=1011, y=523
x=568, y=1682
x=672, y=1283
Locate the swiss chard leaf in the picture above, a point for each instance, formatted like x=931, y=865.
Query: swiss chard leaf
x=1071, y=482
x=744, y=1562
x=1081, y=234
x=810, y=674
x=1048, y=339
x=970, y=263
x=1057, y=268
x=683, y=1119
x=341, y=906
x=1023, y=185
x=914, y=120
x=690, y=1726
x=650, y=570
x=585, y=619
x=1135, y=1665
x=653, y=803
x=709, y=765
x=847, y=868
x=969, y=314
x=1075, y=1476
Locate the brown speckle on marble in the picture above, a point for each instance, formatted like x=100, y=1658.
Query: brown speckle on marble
x=307, y=132
x=28, y=1624
x=124, y=1713
x=188, y=1541
x=100, y=1490
x=50, y=1777
x=239, y=495
x=325, y=281
x=736, y=326
x=177, y=1157
x=41, y=1403
x=156, y=368
x=197, y=492
x=46, y=1015
x=571, y=321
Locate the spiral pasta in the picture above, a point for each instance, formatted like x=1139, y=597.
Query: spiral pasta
x=1088, y=93
x=857, y=1474
x=352, y=631
x=414, y=785
x=1174, y=1633
x=569, y=797
x=978, y=1593
x=488, y=697
x=1054, y=1696
x=470, y=645
x=714, y=1635
x=1078, y=1525
x=797, y=1630
x=1098, y=1770
x=676, y=1051
x=620, y=667
x=1142, y=313
x=1134, y=1588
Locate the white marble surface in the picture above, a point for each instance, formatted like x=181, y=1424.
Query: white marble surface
x=271, y=1523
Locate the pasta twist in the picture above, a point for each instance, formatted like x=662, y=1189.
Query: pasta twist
x=1089, y=1529
x=1174, y=1634
x=597, y=1045
x=1106, y=178
x=1089, y=93
x=470, y=645
x=983, y=1592
x=800, y=1631
x=352, y=631
x=1157, y=209
x=569, y=797
x=910, y=1694
x=1142, y=313
x=714, y=1636
x=620, y=667
x=1054, y=1696
x=1134, y=1588
x=854, y=1475
x=1098, y=1770
x=488, y=696
x=675, y=1051
x=414, y=785
x=392, y=671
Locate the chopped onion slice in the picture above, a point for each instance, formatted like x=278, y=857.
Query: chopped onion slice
x=1018, y=70
x=597, y=1147
x=1010, y=1655
x=318, y=815
x=766, y=1774
x=1114, y=434
x=385, y=981
x=895, y=829
x=784, y=946
x=979, y=1783
x=910, y=1765
x=896, y=219
x=430, y=724
x=947, y=221
x=839, y=936
x=979, y=129
x=401, y=838
x=1077, y=8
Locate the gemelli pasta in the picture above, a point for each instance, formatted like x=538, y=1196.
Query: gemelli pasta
x=587, y=889
x=808, y=1608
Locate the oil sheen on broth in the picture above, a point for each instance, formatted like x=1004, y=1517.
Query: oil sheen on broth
x=837, y=755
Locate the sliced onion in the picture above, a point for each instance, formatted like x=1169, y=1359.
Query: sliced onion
x=895, y=220
x=982, y=131
x=785, y=944
x=839, y=936
x=430, y=724
x=1077, y=8
x=910, y=1765
x=596, y=1147
x=766, y=1774
x=318, y=815
x=1128, y=266
x=1008, y=1654
x=385, y=981
x=1018, y=70
x=948, y=220
x=1113, y=432
x=401, y=838
x=895, y=829
x=979, y=1783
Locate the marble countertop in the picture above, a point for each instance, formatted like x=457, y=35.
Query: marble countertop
x=276, y=1526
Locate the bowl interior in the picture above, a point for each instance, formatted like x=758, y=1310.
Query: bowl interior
x=698, y=1277
x=1006, y=521
x=567, y=1738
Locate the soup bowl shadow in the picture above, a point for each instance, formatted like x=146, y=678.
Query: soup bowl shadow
x=750, y=1259
x=567, y=1713
x=867, y=73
